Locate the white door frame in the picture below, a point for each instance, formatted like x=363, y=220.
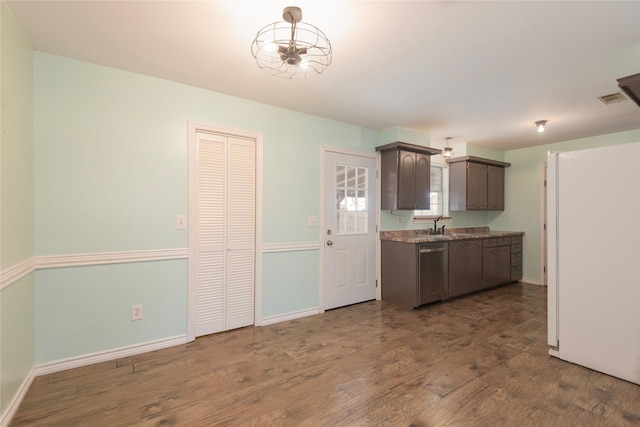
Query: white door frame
x=543, y=224
x=323, y=221
x=193, y=128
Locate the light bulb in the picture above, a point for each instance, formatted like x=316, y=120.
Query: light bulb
x=304, y=64
x=270, y=47
x=447, y=153
x=540, y=125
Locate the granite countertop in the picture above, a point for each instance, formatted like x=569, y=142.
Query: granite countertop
x=453, y=234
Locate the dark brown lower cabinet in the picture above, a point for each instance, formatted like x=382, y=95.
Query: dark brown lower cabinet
x=413, y=275
x=465, y=267
x=496, y=262
x=471, y=265
x=516, y=258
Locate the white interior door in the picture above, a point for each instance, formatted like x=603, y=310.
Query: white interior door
x=210, y=225
x=349, y=234
x=222, y=260
x=241, y=233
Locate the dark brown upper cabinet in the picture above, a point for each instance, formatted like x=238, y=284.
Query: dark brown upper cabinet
x=476, y=184
x=630, y=85
x=405, y=176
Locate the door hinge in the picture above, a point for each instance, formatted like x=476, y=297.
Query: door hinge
x=377, y=174
x=376, y=283
x=376, y=228
x=544, y=269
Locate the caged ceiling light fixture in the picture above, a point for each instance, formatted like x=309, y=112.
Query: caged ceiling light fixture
x=291, y=49
x=447, y=152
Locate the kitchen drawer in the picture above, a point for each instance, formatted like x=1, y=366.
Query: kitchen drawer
x=504, y=241
x=516, y=240
x=516, y=273
x=516, y=259
x=516, y=248
x=489, y=243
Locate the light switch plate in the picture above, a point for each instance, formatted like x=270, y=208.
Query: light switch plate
x=181, y=222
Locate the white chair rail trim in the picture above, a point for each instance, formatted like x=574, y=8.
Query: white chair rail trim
x=16, y=272
x=20, y=270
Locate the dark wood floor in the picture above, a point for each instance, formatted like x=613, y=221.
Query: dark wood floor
x=477, y=361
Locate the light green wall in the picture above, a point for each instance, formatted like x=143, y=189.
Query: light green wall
x=83, y=310
x=523, y=191
x=111, y=174
x=17, y=144
x=17, y=206
x=111, y=160
x=17, y=321
x=298, y=277
x=484, y=152
x=397, y=133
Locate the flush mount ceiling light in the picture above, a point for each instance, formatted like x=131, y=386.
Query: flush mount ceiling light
x=447, y=152
x=540, y=124
x=290, y=48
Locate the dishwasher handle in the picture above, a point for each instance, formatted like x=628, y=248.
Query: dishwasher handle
x=428, y=250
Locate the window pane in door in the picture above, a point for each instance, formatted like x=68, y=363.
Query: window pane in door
x=351, y=199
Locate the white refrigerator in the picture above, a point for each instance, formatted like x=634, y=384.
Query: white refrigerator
x=593, y=225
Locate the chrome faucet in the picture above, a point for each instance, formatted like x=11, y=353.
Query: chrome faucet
x=435, y=225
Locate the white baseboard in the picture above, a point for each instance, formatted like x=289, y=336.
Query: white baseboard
x=103, y=356
x=531, y=281
x=7, y=416
x=289, y=247
x=290, y=316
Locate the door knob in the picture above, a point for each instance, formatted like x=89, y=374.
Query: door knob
x=329, y=243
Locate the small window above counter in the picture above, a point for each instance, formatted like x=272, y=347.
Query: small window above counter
x=405, y=176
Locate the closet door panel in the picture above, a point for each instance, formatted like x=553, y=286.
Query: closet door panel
x=241, y=232
x=210, y=226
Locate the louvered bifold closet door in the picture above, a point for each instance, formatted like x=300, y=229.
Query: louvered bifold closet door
x=210, y=225
x=225, y=230
x=241, y=232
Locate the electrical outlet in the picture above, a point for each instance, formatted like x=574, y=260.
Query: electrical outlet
x=399, y=220
x=181, y=222
x=313, y=221
x=136, y=312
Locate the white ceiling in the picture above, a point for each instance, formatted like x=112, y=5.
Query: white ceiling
x=480, y=72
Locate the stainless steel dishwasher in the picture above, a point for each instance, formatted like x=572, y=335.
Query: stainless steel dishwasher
x=434, y=271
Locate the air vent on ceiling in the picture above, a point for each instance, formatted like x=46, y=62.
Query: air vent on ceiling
x=612, y=98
